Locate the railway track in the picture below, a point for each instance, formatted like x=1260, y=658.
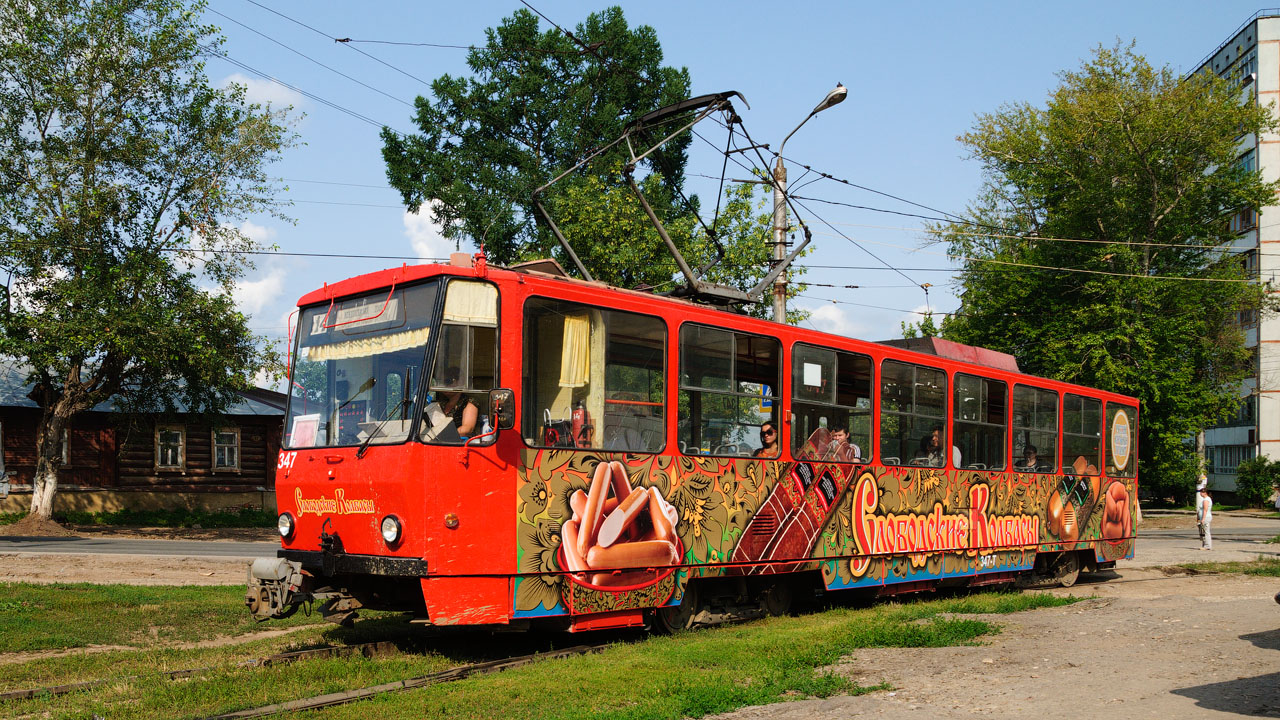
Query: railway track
x=369, y=650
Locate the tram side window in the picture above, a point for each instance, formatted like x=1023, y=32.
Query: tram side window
x=1081, y=435
x=913, y=409
x=593, y=378
x=466, y=365
x=831, y=403
x=1122, y=440
x=979, y=419
x=1035, y=429
x=728, y=390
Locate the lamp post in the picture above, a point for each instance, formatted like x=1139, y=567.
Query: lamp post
x=780, y=206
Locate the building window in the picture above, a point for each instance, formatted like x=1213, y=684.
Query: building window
x=1246, y=219
x=64, y=448
x=226, y=449
x=170, y=448
x=1225, y=459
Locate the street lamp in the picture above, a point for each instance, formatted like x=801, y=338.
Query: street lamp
x=835, y=97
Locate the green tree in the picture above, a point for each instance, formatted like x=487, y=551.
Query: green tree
x=926, y=328
x=536, y=104
x=1256, y=480
x=120, y=169
x=1128, y=177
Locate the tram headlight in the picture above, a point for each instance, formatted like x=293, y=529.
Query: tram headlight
x=285, y=524
x=391, y=529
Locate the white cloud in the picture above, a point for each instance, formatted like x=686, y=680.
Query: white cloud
x=266, y=92
x=425, y=237
x=254, y=295
x=833, y=319
x=257, y=233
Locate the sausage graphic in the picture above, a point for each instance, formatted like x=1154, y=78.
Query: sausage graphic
x=621, y=485
x=622, y=518
x=578, y=503
x=593, y=513
x=658, y=516
x=653, y=553
x=635, y=577
x=572, y=558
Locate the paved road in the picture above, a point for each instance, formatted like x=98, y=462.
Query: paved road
x=134, y=546
x=1236, y=537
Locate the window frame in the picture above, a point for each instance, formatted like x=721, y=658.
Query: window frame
x=776, y=397
x=985, y=394
x=426, y=373
x=1056, y=455
x=944, y=419
x=526, y=382
x=1108, y=428
x=213, y=449
x=1098, y=459
x=869, y=411
x=182, y=447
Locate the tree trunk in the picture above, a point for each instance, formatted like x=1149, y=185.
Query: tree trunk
x=48, y=458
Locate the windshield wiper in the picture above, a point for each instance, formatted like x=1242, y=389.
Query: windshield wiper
x=364, y=445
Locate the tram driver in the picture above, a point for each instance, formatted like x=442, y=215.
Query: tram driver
x=451, y=416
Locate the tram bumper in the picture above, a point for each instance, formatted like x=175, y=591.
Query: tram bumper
x=275, y=588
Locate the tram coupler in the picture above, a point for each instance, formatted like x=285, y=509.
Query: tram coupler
x=275, y=588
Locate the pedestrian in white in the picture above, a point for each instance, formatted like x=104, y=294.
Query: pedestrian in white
x=1204, y=516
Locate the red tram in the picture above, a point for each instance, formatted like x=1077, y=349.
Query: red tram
x=486, y=446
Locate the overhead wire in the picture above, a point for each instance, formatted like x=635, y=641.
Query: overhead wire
x=311, y=59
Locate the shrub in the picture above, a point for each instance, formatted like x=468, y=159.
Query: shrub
x=1256, y=479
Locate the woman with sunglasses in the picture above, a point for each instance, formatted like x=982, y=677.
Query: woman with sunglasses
x=768, y=440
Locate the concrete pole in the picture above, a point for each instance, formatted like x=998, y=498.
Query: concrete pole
x=780, y=239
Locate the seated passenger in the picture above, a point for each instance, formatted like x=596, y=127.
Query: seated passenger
x=1028, y=461
x=768, y=440
x=841, y=449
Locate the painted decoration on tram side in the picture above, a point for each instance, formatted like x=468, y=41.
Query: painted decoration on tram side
x=1120, y=439
x=609, y=531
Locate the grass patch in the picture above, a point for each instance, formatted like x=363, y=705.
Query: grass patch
x=54, y=617
x=686, y=675
x=174, y=518
x=1267, y=567
x=1273, y=540
x=11, y=518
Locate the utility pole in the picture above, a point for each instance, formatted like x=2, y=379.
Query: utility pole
x=780, y=206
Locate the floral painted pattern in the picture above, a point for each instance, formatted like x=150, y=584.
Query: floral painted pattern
x=717, y=499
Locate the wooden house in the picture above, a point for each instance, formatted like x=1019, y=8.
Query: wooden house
x=113, y=460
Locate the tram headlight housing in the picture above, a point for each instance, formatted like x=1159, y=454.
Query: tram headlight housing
x=284, y=524
x=391, y=529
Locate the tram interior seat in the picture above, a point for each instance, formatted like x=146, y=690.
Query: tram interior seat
x=630, y=431
x=891, y=460
x=976, y=466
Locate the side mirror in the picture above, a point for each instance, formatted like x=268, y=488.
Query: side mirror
x=502, y=404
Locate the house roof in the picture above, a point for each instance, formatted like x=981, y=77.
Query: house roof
x=14, y=392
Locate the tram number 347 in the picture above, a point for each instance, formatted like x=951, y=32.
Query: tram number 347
x=286, y=460
x=986, y=561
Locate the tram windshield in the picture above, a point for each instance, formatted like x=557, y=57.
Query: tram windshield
x=356, y=367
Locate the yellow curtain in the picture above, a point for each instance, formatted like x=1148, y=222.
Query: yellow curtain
x=471, y=303
x=366, y=347
x=575, y=353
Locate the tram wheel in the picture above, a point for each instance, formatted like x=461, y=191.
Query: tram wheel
x=1066, y=569
x=776, y=599
x=669, y=619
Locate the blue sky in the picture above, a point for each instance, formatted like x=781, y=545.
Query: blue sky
x=917, y=74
